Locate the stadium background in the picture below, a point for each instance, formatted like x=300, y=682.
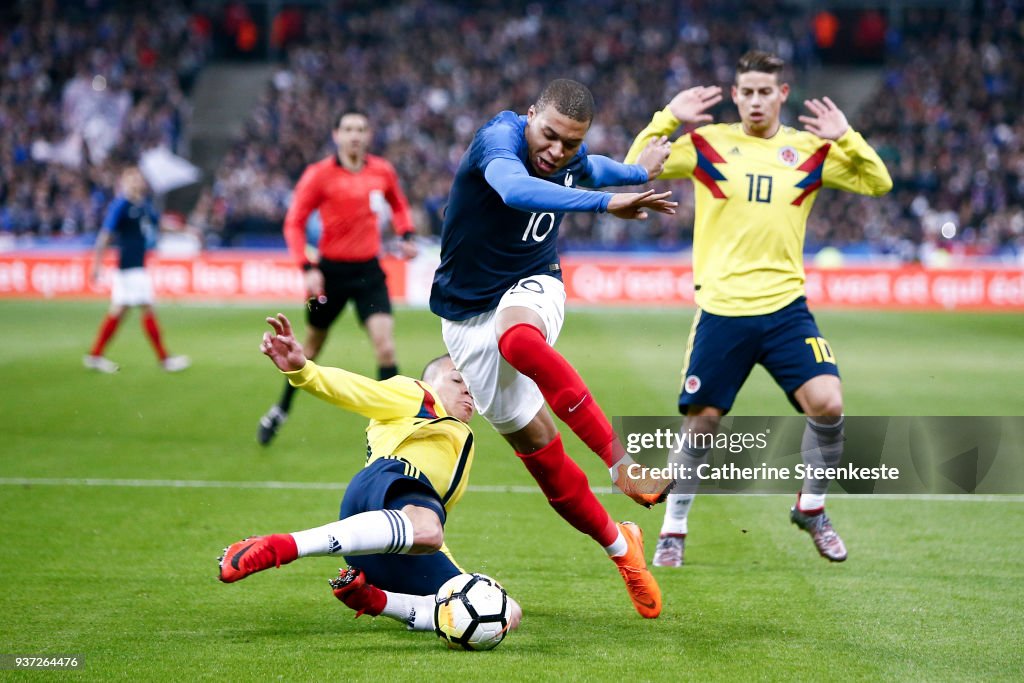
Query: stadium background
x=117, y=492
x=245, y=91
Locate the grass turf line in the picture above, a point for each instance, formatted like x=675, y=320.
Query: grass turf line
x=127, y=576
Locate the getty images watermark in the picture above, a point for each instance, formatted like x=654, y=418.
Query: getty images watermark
x=674, y=441
x=879, y=454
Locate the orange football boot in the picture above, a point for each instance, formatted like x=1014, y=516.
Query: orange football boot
x=640, y=583
x=647, y=489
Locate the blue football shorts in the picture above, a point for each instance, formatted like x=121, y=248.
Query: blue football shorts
x=724, y=349
x=387, y=485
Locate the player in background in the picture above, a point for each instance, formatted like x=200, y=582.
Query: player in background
x=419, y=455
x=755, y=184
x=499, y=293
x=134, y=223
x=349, y=188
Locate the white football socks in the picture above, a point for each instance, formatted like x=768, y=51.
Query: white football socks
x=415, y=611
x=809, y=502
x=618, y=546
x=368, y=533
x=677, y=507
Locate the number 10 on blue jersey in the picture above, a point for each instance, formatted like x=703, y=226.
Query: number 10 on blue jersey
x=539, y=226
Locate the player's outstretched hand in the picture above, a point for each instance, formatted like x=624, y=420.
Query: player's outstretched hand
x=690, y=105
x=828, y=122
x=654, y=155
x=632, y=205
x=281, y=346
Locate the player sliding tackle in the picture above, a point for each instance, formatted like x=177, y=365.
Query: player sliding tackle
x=420, y=451
x=499, y=293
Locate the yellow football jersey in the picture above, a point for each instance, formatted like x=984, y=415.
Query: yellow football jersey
x=753, y=197
x=407, y=422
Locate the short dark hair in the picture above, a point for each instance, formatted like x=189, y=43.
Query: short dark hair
x=570, y=98
x=761, y=62
x=431, y=367
x=348, y=112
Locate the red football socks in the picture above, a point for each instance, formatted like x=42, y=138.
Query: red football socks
x=153, y=332
x=526, y=349
x=568, y=491
x=107, y=329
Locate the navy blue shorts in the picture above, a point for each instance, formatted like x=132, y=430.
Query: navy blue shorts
x=724, y=349
x=390, y=485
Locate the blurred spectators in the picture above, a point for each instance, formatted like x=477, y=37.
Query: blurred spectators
x=83, y=92
x=430, y=73
x=948, y=122
x=947, y=119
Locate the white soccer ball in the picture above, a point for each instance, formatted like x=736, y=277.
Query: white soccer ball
x=472, y=612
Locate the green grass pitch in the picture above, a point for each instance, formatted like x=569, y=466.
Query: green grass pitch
x=125, y=574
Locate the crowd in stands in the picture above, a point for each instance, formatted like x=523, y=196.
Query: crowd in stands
x=947, y=119
x=84, y=90
x=948, y=122
x=428, y=73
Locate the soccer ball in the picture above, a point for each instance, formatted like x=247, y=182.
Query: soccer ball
x=472, y=612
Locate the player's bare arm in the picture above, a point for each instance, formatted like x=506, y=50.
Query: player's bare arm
x=281, y=347
x=690, y=106
x=828, y=121
x=654, y=155
x=102, y=242
x=632, y=205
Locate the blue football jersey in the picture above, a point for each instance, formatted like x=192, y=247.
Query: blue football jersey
x=486, y=245
x=135, y=226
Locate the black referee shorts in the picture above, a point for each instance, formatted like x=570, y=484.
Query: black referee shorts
x=362, y=281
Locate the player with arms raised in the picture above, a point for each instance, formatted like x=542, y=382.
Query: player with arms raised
x=499, y=293
x=755, y=184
